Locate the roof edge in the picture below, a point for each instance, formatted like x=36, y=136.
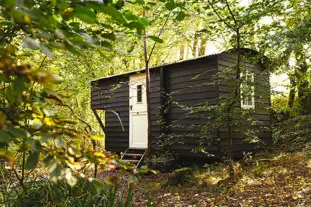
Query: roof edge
x=245, y=51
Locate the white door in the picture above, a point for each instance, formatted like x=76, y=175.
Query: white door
x=138, y=112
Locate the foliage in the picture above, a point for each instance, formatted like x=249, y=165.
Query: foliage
x=72, y=26
x=31, y=125
x=84, y=193
x=293, y=134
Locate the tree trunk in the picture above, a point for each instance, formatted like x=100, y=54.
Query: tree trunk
x=304, y=94
x=292, y=91
x=147, y=92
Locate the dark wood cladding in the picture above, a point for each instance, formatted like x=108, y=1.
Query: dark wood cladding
x=113, y=94
x=175, y=88
x=190, y=84
x=262, y=103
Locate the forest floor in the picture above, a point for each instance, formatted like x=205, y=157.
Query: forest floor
x=279, y=179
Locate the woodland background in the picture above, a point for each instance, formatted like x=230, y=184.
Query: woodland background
x=50, y=142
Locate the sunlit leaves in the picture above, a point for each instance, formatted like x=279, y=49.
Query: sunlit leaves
x=71, y=179
x=98, y=138
x=113, y=13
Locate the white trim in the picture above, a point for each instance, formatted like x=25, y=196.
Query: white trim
x=252, y=105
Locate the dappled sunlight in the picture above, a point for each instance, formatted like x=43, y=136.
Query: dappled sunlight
x=247, y=180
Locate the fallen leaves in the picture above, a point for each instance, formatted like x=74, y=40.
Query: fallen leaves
x=283, y=181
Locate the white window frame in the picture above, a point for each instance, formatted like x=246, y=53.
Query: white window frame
x=252, y=105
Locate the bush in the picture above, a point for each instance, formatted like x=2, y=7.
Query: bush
x=293, y=134
x=84, y=193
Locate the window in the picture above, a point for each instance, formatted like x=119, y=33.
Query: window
x=247, y=90
x=139, y=93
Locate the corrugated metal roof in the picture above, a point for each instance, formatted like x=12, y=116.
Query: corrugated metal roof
x=246, y=50
x=158, y=66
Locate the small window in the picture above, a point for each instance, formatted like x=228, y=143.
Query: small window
x=247, y=91
x=139, y=93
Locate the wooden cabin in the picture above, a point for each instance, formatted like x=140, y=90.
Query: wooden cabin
x=176, y=88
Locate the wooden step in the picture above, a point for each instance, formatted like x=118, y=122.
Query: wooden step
x=133, y=155
x=134, y=161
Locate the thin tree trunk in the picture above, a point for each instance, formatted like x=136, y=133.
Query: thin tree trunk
x=147, y=92
x=304, y=95
x=292, y=91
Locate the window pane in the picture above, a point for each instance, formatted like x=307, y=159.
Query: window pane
x=139, y=93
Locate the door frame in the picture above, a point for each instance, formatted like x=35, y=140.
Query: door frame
x=141, y=78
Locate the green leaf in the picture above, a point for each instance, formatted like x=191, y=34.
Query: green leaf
x=48, y=159
x=144, y=21
x=34, y=144
x=98, y=138
x=98, y=184
x=5, y=137
x=106, y=45
x=130, y=16
x=55, y=170
x=32, y=161
x=85, y=15
x=156, y=39
x=136, y=25
x=8, y=3
x=3, y=78
x=113, y=12
x=18, y=132
x=181, y=16
x=140, y=2
x=170, y=5
x=110, y=36
x=19, y=85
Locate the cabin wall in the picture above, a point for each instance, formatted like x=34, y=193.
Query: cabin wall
x=113, y=94
x=155, y=102
x=175, y=90
x=187, y=85
x=262, y=103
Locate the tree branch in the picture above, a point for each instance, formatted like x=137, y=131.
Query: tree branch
x=232, y=15
x=161, y=31
x=216, y=12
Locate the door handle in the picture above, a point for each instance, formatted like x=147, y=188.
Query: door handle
x=131, y=107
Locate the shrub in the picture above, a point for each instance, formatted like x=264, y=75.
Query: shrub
x=84, y=193
x=293, y=134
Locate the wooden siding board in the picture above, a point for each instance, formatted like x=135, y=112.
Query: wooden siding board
x=189, y=85
x=262, y=101
x=116, y=139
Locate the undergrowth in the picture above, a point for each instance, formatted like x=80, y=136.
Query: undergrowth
x=293, y=134
x=84, y=193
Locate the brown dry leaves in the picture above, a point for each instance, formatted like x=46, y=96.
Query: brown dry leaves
x=283, y=180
